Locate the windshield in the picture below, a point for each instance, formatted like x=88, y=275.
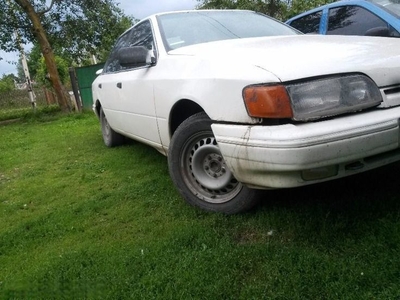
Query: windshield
x=392, y=6
x=195, y=27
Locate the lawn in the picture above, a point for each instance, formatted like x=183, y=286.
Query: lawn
x=79, y=220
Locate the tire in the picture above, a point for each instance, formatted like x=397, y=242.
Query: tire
x=200, y=173
x=110, y=137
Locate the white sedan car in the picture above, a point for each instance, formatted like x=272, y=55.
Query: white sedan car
x=241, y=102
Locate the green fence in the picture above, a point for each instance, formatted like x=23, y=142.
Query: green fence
x=86, y=76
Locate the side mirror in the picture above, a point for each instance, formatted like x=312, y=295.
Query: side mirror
x=98, y=72
x=378, y=31
x=134, y=56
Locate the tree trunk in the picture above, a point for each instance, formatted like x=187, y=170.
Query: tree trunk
x=47, y=51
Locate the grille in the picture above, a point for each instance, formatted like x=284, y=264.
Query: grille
x=391, y=96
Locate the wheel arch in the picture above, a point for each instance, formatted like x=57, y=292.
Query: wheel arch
x=182, y=110
x=97, y=107
x=200, y=173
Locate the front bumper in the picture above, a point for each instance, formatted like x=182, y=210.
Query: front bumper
x=299, y=154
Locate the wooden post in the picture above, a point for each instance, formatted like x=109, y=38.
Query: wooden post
x=75, y=89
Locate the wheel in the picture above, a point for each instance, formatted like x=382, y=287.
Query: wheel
x=199, y=170
x=110, y=137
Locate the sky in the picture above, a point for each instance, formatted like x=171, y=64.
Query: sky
x=139, y=9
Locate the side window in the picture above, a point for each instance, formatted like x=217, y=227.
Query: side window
x=140, y=35
x=308, y=24
x=393, y=32
x=352, y=20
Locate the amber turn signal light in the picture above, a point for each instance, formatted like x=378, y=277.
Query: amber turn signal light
x=267, y=101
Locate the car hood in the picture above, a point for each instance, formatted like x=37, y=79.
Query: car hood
x=296, y=57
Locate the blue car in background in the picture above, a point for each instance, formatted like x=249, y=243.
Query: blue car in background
x=352, y=17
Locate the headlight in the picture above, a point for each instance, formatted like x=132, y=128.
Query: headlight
x=312, y=99
x=332, y=96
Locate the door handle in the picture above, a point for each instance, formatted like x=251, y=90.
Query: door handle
x=100, y=86
x=119, y=85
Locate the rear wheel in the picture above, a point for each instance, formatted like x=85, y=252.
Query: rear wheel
x=199, y=171
x=110, y=137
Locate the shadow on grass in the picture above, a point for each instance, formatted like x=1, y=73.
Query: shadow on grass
x=365, y=192
x=363, y=208
x=41, y=113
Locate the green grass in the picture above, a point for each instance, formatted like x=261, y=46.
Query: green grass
x=79, y=220
x=28, y=113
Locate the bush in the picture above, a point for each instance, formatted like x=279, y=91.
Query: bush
x=6, y=84
x=62, y=68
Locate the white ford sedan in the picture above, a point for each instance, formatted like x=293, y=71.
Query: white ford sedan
x=240, y=102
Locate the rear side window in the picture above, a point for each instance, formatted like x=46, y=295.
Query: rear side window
x=308, y=24
x=352, y=20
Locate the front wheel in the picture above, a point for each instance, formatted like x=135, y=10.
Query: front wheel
x=200, y=173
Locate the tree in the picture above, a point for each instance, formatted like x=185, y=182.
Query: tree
x=280, y=9
x=41, y=74
x=76, y=27
x=32, y=21
x=272, y=8
x=7, y=83
x=296, y=7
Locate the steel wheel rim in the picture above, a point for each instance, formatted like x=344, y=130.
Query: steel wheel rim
x=205, y=171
